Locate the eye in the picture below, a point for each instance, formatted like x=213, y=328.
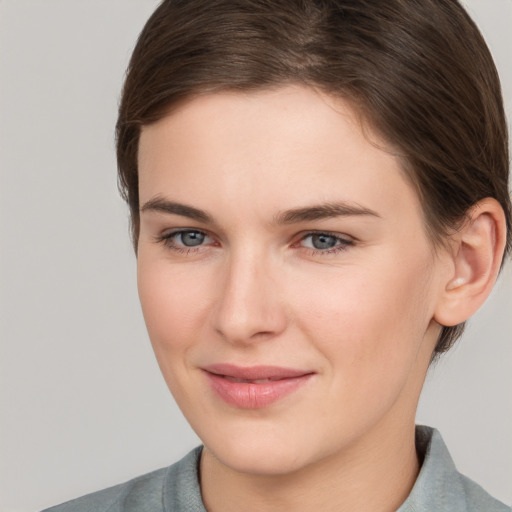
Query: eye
x=185, y=239
x=325, y=242
x=189, y=238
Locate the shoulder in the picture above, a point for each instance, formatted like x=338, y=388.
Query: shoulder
x=149, y=492
x=440, y=486
x=145, y=488
x=478, y=499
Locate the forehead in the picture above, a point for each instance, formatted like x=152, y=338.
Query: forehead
x=269, y=149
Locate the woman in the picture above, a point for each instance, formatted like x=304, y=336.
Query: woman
x=319, y=201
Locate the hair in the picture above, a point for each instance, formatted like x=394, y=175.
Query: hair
x=417, y=71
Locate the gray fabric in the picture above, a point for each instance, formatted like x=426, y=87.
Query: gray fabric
x=438, y=488
x=171, y=489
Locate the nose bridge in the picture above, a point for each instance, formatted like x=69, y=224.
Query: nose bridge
x=248, y=304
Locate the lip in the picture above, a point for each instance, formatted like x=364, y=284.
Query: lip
x=254, y=387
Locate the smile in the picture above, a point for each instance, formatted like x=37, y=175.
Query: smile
x=254, y=387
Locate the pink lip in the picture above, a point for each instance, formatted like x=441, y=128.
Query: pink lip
x=236, y=385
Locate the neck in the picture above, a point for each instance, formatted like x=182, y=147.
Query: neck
x=377, y=474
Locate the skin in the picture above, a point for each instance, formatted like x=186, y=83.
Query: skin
x=360, y=315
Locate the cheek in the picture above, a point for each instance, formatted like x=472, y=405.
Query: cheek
x=366, y=317
x=369, y=328
x=173, y=303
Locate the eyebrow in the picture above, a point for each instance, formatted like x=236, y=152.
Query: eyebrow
x=159, y=204
x=295, y=215
x=323, y=211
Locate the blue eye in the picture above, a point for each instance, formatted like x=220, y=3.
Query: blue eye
x=185, y=239
x=190, y=238
x=325, y=242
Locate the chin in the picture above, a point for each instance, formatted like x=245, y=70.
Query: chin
x=264, y=448
x=270, y=460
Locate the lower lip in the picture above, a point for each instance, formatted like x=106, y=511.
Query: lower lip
x=248, y=395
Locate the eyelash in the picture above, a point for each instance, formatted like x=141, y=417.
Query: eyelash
x=342, y=244
x=168, y=242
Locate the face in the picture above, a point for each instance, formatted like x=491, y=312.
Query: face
x=286, y=279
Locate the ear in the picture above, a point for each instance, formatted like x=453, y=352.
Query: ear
x=475, y=260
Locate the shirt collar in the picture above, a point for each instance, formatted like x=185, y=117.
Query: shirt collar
x=438, y=486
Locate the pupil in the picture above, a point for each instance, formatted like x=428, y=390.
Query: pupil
x=192, y=238
x=323, y=241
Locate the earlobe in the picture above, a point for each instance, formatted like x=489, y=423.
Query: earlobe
x=476, y=259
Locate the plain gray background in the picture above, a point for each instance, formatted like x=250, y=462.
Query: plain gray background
x=82, y=401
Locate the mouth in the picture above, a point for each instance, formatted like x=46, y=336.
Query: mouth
x=254, y=387
x=248, y=381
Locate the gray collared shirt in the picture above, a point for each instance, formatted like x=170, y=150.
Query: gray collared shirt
x=438, y=488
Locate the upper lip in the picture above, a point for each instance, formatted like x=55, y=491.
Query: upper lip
x=255, y=372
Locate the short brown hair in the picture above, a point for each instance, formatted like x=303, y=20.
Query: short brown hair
x=418, y=71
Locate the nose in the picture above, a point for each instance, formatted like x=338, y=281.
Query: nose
x=249, y=306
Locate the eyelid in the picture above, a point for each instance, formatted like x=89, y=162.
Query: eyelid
x=177, y=231
x=343, y=242
x=339, y=236
x=167, y=238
